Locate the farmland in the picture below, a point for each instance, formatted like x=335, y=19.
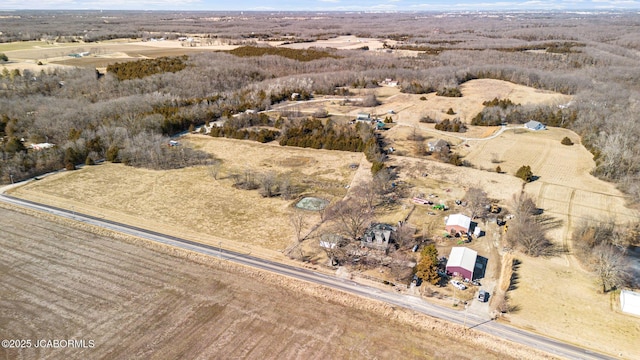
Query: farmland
x=91, y=115
x=138, y=302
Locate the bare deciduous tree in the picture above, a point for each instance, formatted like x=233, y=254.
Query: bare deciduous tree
x=332, y=244
x=367, y=192
x=404, y=235
x=477, y=201
x=286, y=190
x=214, y=169
x=610, y=266
x=268, y=184
x=352, y=216
x=527, y=231
x=298, y=220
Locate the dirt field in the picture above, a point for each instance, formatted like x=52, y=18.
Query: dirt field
x=133, y=302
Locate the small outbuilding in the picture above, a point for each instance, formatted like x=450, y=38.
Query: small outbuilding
x=535, y=125
x=363, y=117
x=630, y=302
x=462, y=262
x=459, y=224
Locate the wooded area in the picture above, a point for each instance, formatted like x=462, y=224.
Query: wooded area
x=592, y=56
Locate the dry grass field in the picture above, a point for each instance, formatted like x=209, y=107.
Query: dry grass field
x=190, y=202
x=137, y=301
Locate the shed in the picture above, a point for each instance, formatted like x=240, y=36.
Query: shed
x=458, y=223
x=462, y=262
x=630, y=302
x=535, y=125
x=363, y=117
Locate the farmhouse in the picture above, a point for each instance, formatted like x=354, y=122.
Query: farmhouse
x=462, y=262
x=459, y=224
x=378, y=236
x=630, y=302
x=535, y=125
x=438, y=145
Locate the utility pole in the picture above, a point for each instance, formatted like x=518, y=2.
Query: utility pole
x=466, y=310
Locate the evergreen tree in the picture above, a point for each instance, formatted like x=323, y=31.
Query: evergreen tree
x=427, y=268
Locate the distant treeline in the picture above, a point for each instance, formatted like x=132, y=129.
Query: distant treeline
x=294, y=54
x=146, y=67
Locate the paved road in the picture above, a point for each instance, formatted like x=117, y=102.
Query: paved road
x=551, y=346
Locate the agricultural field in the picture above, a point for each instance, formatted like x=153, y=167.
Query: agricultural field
x=26, y=55
x=128, y=299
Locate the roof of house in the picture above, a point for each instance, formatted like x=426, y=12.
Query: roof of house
x=438, y=143
x=630, y=302
x=462, y=257
x=532, y=124
x=459, y=220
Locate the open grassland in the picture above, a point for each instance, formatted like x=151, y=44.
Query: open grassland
x=140, y=301
x=556, y=298
x=190, y=201
x=409, y=108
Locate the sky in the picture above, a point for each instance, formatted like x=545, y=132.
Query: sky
x=320, y=5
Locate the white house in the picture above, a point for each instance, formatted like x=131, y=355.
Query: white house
x=630, y=302
x=535, y=125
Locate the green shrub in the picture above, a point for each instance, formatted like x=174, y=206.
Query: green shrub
x=525, y=173
x=449, y=92
x=566, y=141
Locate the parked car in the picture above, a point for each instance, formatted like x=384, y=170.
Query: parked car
x=483, y=296
x=458, y=284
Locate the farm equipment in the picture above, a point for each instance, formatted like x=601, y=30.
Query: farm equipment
x=495, y=209
x=422, y=201
x=441, y=207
